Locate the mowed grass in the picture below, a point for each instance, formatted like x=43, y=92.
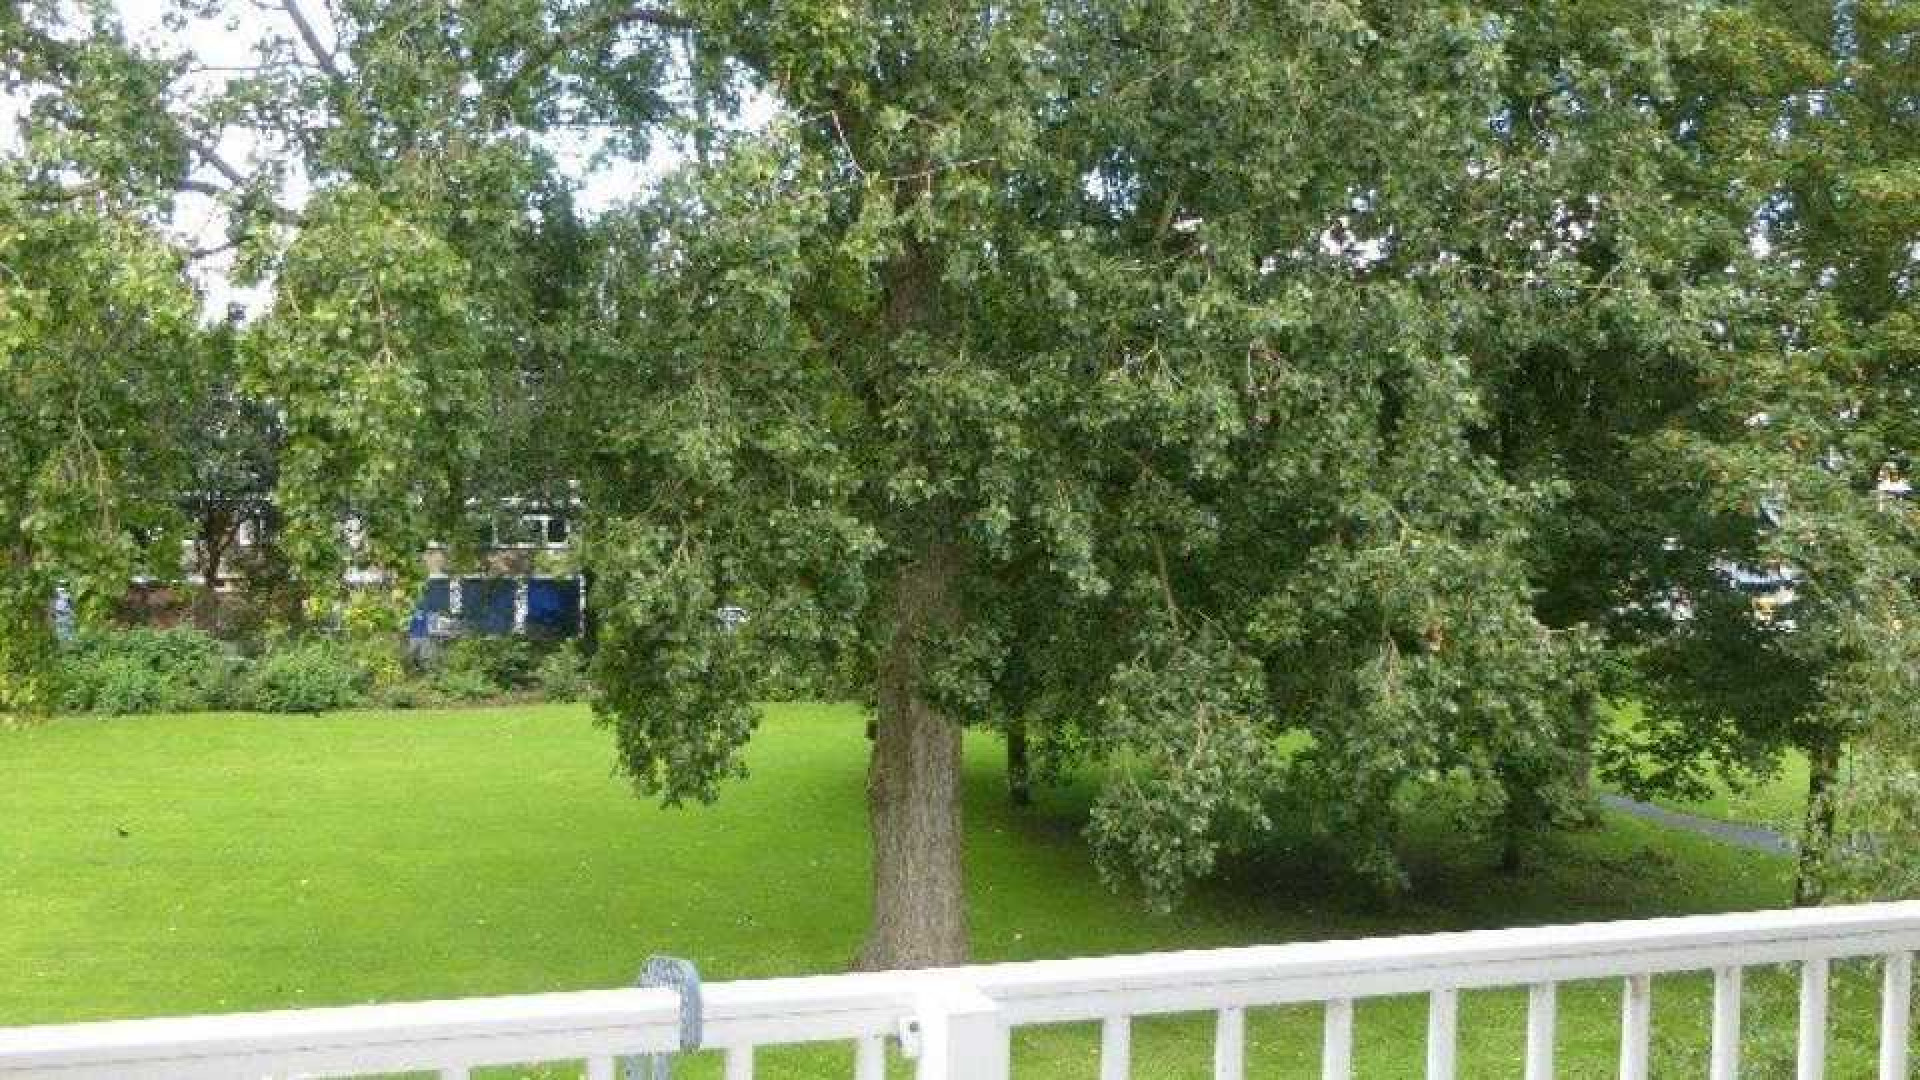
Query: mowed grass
x=1775, y=798
x=211, y=863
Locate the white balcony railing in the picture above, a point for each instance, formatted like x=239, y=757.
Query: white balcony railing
x=955, y=1022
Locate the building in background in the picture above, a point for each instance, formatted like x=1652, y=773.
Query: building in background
x=525, y=579
x=515, y=571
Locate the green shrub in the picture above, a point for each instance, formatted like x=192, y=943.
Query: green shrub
x=409, y=694
x=465, y=686
x=308, y=677
x=379, y=657
x=507, y=663
x=376, y=613
x=148, y=670
x=562, y=675
x=123, y=686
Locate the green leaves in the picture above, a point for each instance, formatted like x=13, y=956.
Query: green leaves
x=1181, y=334
x=1330, y=375
x=100, y=365
x=1190, y=760
x=674, y=677
x=374, y=355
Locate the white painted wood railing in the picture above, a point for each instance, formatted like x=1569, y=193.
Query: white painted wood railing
x=956, y=1022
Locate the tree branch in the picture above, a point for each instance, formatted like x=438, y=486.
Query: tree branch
x=208, y=252
x=586, y=30
x=201, y=187
x=211, y=158
x=62, y=194
x=321, y=54
x=234, y=177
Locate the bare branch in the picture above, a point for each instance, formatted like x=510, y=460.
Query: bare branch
x=841, y=134
x=208, y=252
x=228, y=69
x=321, y=54
x=234, y=177
x=211, y=157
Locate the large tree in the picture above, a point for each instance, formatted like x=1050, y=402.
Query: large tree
x=101, y=358
x=1162, y=379
x=1102, y=369
x=1795, y=217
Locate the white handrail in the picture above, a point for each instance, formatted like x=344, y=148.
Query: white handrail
x=957, y=1020
x=1068, y=990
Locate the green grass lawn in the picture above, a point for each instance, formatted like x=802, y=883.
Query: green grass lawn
x=1776, y=799
x=210, y=863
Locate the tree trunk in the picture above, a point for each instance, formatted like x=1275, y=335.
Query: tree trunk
x=1816, y=844
x=217, y=530
x=1522, y=821
x=1587, y=718
x=1513, y=845
x=913, y=789
x=1019, y=766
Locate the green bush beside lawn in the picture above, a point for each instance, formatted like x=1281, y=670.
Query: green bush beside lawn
x=142, y=671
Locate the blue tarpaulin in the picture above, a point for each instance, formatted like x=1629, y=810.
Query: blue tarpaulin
x=486, y=605
x=553, y=607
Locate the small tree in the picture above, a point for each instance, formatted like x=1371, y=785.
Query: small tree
x=96, y=372
x=1793, y=117
x=234, y=456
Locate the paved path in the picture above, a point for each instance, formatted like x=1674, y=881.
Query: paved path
x=1751, y=837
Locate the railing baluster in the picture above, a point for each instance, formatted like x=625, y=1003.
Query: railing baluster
x=870, y=1058
x=1230, y=1045
x=1116, y=1048
x=1813, y=1020
x=740, y=1063
x=1896, y=1005
x=1725, y=1064
x=1543, y=1007
x=1443, y=1022
x=1636, y=1026
x=1336, y=1044
x=600, y=1068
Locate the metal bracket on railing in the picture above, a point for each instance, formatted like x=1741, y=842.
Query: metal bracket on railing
x=684, y=980
x=910, y=1038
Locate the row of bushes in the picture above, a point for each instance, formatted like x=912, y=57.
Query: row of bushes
x=183, y=670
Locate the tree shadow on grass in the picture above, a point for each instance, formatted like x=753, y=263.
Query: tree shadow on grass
x=1298, y=884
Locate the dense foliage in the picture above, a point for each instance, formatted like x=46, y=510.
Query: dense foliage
x=143, y=671
x=126, y=672
x=97, y=372
x=1277, y=405
x=1797, y=179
